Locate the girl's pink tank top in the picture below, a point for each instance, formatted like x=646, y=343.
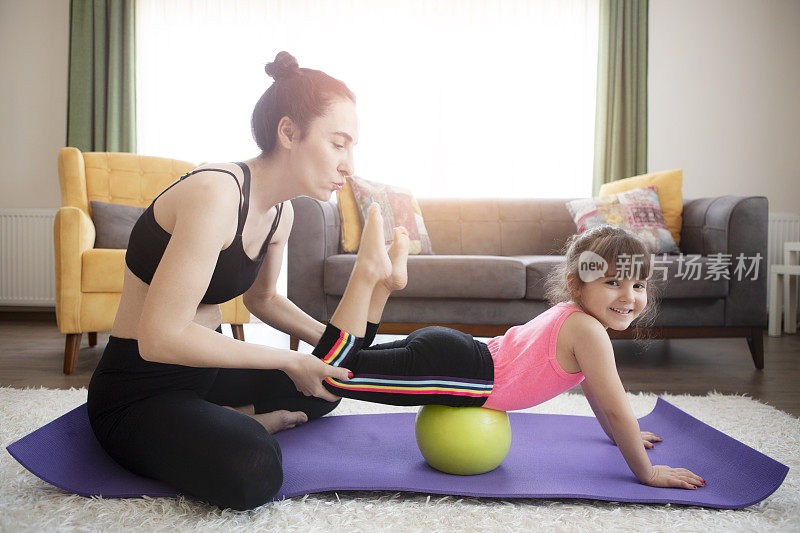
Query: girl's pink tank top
x=526, y=371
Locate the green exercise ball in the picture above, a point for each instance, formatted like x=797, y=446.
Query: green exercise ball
x=462, y=440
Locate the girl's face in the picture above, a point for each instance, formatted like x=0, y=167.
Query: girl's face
x=614, y=302
x=321, y=160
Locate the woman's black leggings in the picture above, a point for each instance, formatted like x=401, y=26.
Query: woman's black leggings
x=168, y=422
x=433, y=365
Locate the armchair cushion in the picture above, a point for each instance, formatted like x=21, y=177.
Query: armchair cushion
x=113, y=223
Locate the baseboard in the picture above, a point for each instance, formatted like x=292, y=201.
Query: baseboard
x=17, y=313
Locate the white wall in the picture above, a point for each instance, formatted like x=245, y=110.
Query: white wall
x=34, y=50
x=724, y=97
x=724, y=78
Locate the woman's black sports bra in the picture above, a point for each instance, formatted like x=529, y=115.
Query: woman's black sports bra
x=235, y=271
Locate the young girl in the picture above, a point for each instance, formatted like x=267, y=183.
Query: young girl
x=531, y=363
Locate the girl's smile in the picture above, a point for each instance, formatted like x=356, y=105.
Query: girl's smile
x=614, y=302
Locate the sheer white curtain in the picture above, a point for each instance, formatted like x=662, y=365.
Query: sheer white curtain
x=455, y=98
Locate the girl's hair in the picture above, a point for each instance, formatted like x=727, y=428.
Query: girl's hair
x=621, y=250
x=302, y=94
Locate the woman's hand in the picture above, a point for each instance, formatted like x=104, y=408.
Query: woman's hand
x=648, y=439
x=679, y=478
x=307, y=373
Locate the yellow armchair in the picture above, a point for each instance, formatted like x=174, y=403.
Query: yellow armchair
x=89, y=279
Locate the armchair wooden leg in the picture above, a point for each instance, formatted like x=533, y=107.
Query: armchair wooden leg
x=92, y=338
x=238, y=331
x=71, y=352
x=756, y=343
x=294, y=342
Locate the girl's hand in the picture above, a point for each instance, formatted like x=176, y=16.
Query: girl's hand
x=307, y=373
x=679, y=478
x=648, y=439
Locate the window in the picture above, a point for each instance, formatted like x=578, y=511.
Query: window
x=455, y=98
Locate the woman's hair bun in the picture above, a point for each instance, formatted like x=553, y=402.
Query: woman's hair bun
x=283, y=65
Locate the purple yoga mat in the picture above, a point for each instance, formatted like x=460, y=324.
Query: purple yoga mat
x=551, y=456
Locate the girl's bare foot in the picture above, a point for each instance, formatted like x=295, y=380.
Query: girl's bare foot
x=398, y=255
x=273, y=421
x=372, y=260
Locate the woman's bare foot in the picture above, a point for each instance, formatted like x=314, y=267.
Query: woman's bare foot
x=372, y=260
x=273, y=421
x=398, y=255
x=276, y=421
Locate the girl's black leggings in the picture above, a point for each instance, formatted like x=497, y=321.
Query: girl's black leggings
x=168, y=422
x=433, y=365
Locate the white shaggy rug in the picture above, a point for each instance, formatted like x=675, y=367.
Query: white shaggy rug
x=29, y=504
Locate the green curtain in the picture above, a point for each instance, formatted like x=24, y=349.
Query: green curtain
x=620, y=135
x=101, y=109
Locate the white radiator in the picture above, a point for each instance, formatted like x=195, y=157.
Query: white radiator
x=27, y=264
x=783, y=227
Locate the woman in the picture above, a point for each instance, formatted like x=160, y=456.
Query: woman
x=172, y=398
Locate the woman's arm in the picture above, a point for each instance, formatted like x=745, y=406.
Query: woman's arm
x=262, y=298
x=167, y=332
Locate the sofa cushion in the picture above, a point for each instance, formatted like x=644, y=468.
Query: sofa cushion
x=690, y=312
x=443, y=276
x=684, y=276
x=508, y=227
x=102, y=270
x=457, y=311
x=537, y=267
x=672, y=272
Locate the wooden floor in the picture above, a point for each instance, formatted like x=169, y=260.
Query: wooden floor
x=32, y=352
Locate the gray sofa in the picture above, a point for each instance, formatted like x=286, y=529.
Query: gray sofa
x=492, y=255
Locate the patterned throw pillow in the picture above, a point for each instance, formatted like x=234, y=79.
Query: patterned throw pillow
x=398, y=207
x=636, y=210
x=668, y=185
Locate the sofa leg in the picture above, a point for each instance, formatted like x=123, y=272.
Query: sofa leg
x=756, y=343
x=71, y=352
x=238, y=331
x=92, y=338
x=294, y=342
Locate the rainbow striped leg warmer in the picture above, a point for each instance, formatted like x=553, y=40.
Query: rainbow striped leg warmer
x=336, y=346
